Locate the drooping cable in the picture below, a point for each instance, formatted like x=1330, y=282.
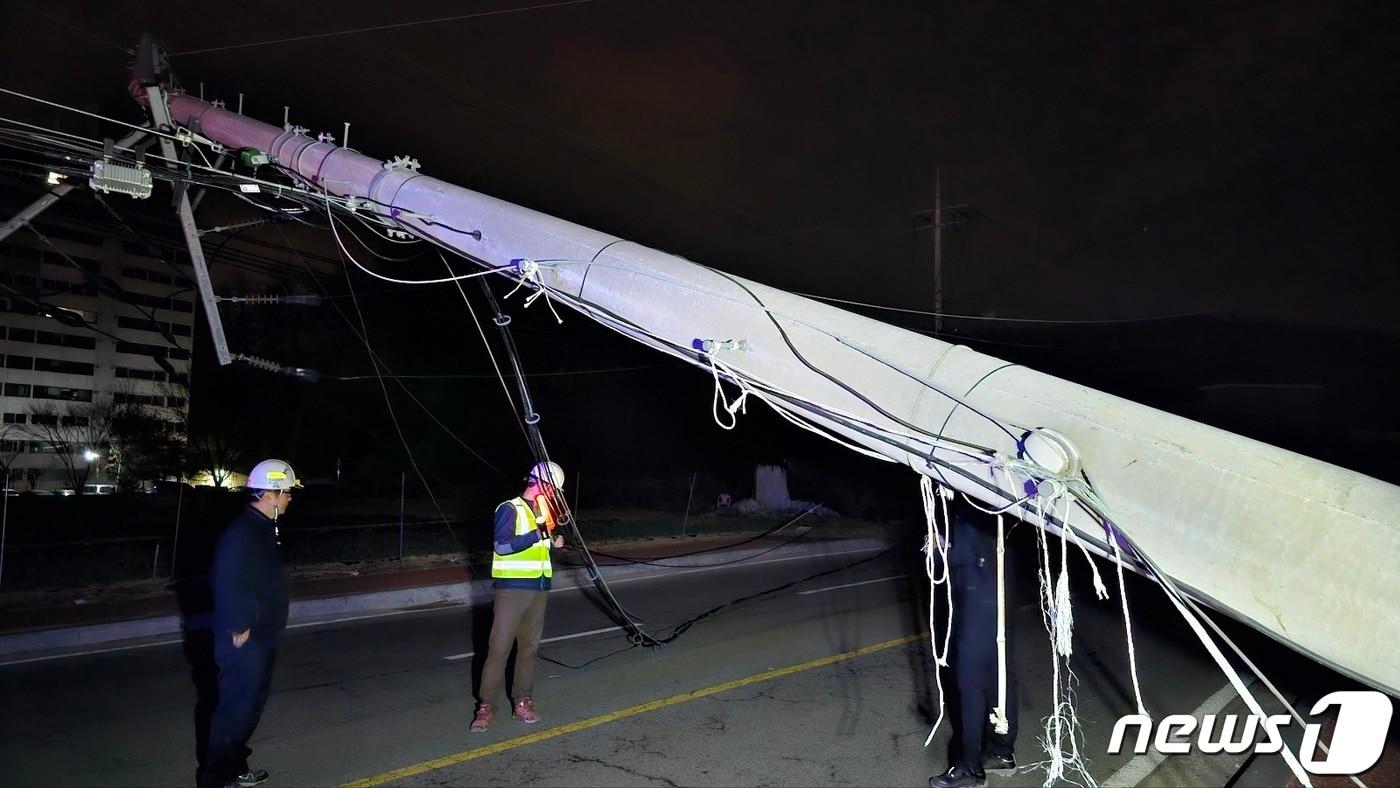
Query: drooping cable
x=393, y=417
x=112, y=288
x=485, y=343
x=382, y=364
x=556, y=502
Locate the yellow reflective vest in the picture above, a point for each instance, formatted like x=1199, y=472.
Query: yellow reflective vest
x=533, y=561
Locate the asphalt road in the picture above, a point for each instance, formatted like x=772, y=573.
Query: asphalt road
x=773, y=691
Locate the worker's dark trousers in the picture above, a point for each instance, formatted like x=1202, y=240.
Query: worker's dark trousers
x=973, y=658
x=517, y=619
x=245, y=676
x=204, y=672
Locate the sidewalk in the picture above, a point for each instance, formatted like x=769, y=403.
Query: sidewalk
x=317, y=596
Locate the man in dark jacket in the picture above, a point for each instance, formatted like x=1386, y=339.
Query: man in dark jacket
x=250, y=612
x=976, y=747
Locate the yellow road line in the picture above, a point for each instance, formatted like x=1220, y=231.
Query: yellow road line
x=591, y=722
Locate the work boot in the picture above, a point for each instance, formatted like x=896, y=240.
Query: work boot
x=251, y=777
x=959, y=777
x=999, y=763
x=484, y=715
x=525, y=711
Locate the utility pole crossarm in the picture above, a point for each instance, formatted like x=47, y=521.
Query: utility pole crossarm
x=160, y=115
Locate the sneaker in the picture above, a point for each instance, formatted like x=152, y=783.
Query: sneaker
x=250, y=778
x=958, y=777
x=484, y=715
x=999, y=763
x=524, y=711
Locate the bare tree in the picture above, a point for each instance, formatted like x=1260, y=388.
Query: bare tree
x=71, y=430
x=148, y=437
x=12, y=440
x=216, y=453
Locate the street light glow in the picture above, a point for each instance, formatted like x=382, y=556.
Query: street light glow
x=90, y=455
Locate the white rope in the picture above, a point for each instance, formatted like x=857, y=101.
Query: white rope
x=748, y=301
x=1127, y=625
x=530, y=273
x=941, y=542
x=1051, y=740
x=740, y=403
x=1064, y=613
x=759, y=385
x=1000, y=723
x=1100, y=590
x=1062, y=729
x=973, y=503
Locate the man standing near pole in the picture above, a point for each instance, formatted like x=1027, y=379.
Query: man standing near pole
x=983, y=700
x=522, y=570
x=250, y=612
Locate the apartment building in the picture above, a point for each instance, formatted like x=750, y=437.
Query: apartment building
x=85, y=320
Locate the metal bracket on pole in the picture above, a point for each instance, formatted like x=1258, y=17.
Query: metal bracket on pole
x=160, y=115
x=54, y=195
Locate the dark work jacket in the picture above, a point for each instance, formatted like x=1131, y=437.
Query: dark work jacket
x=973, y=539
x=972, y=563
x=250, y=589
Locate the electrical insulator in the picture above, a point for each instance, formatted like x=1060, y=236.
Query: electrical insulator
x=300, y=373
x=264, y=300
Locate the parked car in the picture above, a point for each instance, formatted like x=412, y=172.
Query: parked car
x=163, y=487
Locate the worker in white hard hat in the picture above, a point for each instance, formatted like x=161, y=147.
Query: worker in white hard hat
x=250, y=612
x=522, y=571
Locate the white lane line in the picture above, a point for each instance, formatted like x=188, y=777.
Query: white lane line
x=452, y=606
x=383, y=614
x=1136, y=770
x=684, y=571
x=554, y=639
x=850, y=585
x=86, y=653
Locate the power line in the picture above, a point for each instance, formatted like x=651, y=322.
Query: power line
x=313, y=36
x=70, y=26
x=989, y=318
x=465, y=376
x=378, y=359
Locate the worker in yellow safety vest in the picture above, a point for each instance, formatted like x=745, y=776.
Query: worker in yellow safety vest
x=521, y=568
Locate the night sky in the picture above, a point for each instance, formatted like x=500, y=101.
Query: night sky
x=1227, y=167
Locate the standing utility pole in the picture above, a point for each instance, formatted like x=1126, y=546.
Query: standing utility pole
x=938, y=251
x=4, y=520
x=938, y=217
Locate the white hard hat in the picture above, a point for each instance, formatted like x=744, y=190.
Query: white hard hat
x=548, y=472
x=272, y=475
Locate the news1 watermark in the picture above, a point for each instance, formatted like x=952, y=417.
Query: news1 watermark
x=1363, y=721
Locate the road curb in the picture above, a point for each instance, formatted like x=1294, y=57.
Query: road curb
x=306, y=612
